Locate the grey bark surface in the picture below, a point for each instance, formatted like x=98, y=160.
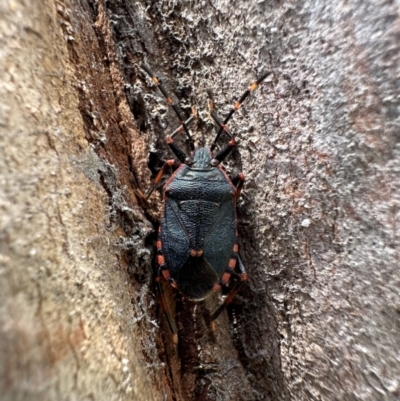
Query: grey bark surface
x=82, y=128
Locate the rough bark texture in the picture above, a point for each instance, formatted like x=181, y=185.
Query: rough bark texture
x=82, y=127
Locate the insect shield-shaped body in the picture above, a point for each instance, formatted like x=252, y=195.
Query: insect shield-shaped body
x=197, y=251
x=197, y=247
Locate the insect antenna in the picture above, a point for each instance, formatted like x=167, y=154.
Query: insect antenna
x=236, y=106
x=172, y=104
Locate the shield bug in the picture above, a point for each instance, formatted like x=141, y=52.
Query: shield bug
x=197, y=245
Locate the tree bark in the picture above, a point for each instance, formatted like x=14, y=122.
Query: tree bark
x=82, y=128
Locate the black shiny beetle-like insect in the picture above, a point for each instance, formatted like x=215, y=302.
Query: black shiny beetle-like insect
x=197, y=246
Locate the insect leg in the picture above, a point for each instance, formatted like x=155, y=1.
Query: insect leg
x=163, y=303
x=242, y=269
x=233, y=291
x=146, y=196
x=171, y=103
x=179, y=153
x=224, y=152
x=239, y=184
x=217, y=120
x=161, y=273
x=236, y=106
x=221, y=126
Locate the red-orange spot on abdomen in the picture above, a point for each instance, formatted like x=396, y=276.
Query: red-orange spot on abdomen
x=232, y=263
x=225, y=277
x=196, y=254
x=166, y=274
x=160, y=259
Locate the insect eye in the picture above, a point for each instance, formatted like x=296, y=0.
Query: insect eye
x=214, y=162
